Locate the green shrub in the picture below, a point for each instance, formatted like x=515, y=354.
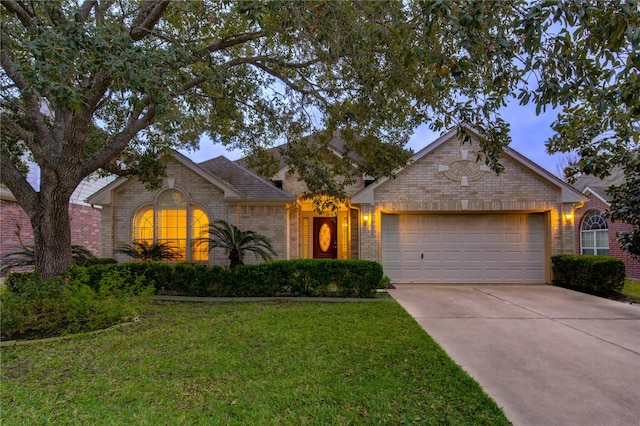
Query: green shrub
x=189, y=279
x=308, y=277
x=33, y=307
x=218, y=281
x=301, y=277
x=157, y=274
x=596, y=274
x=97, y=261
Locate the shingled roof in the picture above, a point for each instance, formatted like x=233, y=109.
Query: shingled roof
x=243, y=180
x=336, y=143
x=599, y=186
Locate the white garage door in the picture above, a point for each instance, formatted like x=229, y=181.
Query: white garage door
x=496, y=248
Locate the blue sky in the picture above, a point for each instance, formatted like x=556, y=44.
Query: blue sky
x=529, y=132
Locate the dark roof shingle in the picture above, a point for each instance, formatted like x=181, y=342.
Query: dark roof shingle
x=599, y=186
x=243, y=180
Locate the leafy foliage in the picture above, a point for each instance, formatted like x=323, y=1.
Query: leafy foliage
x=33, y=307
x=236, y=242
x=597, y=274
x=299, y=277
x=25, y=257
x=148, y=252
x=585, y=58
x=625, y=207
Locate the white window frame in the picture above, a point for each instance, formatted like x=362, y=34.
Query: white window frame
x=594, y=224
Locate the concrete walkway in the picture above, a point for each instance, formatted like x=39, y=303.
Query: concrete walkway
x=546, y=355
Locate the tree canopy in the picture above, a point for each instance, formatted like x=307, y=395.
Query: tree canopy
x=105, y=86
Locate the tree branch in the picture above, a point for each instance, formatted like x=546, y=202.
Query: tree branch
x=234, y=41
x=24, y=16
x=17, y=131
x=96, y=89
x=119, y=143
x=31, y=102
x=290, y=83
x=114, y=169
x=17, y=183
x=55, y=13
x=86, y=7
x=149, y=15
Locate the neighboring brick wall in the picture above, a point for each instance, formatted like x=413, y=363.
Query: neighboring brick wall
x=12, y=218
x=85, y=226
x=594, y=203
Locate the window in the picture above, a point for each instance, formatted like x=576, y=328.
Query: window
x=594, y=234
x=174, y=221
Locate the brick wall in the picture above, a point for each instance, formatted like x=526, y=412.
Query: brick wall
x=85, y=226
x=269, y=220
x=12, y=219
x=132, y=196
x=292, y=185
x=435, y=183
x=594, y=203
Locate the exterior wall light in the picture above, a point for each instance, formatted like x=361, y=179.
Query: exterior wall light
x=366, y=218
x=568, y=217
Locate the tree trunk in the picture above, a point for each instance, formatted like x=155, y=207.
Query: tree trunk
x=234, y=258
x=52, y=236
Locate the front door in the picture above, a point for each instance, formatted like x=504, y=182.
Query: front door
x=325, y=241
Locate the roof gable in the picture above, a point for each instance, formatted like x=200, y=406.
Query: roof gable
x=234, y=181
x=568, y=194
x=596, y=193
x=597, y=186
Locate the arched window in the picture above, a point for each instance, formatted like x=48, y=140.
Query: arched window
x=594, y=234
x=174, y=221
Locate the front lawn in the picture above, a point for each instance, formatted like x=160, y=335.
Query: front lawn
x=631, y=289
x=247, y=363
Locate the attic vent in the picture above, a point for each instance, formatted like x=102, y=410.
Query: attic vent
x=277, y=183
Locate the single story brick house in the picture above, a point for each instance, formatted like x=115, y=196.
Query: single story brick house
x=443, y=219
x=596, y=234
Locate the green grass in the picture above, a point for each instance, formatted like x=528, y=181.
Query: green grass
x=631, y=289
x=270, y=363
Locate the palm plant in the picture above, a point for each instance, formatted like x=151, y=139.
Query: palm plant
x=236, y=242
x=25, y=256
x=147, y=252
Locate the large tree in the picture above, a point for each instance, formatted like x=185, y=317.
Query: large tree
x=585, y=57
x=106, y=86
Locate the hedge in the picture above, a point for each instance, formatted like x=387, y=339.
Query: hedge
x=596, y=274
x=306, y=277
x=303, y=277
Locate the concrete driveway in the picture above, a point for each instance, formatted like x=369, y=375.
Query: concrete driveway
x=546, y=355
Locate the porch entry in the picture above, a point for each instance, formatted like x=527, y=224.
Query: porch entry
x=325, y=238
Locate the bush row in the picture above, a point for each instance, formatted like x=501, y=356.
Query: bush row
x=596, y=274
x=100, y=295
x=302, y=277
x=36, y=308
